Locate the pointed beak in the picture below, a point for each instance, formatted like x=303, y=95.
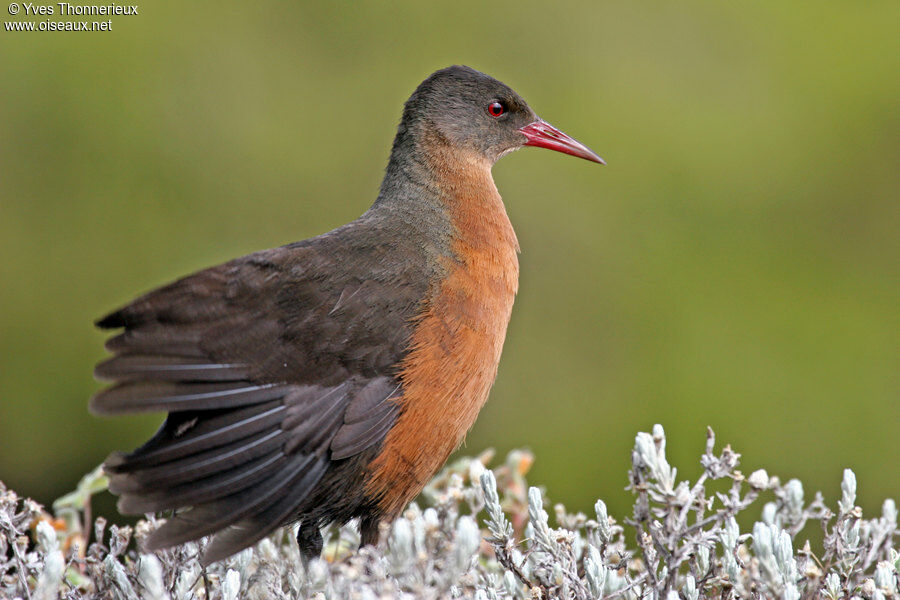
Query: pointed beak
x=544, y=135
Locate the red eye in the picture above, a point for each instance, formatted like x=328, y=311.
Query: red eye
x=495, y=109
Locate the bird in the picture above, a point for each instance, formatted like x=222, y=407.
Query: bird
x=329, y=379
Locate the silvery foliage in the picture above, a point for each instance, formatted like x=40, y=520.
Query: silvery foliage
x=485, y=535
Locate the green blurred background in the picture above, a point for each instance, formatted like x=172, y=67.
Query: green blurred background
x=735, y=264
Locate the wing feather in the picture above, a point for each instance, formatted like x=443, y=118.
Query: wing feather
x=215, y=515
x=196, y=466
x=187, y=433
x=155, y=396
x=259, y=524
x=353, y=438
x=129, y=367
x=270, y=374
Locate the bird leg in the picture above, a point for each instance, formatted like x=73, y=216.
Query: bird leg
x=369, y=532
x=309, y=539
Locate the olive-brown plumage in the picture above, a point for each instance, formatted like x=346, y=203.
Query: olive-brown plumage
x=328, y=379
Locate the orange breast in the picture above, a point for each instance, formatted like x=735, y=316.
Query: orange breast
x=455, y=347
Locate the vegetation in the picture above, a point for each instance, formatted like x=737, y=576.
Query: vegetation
x=484, y=534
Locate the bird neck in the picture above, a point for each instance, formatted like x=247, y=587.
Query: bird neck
x=446, y=190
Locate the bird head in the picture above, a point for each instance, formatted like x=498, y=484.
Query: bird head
x=471, y=111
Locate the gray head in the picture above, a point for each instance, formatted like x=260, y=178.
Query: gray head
x=471, y=111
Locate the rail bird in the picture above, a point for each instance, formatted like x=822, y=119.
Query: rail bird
x=327, y=380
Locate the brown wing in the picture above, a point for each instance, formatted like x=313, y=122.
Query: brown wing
x=271, y=367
